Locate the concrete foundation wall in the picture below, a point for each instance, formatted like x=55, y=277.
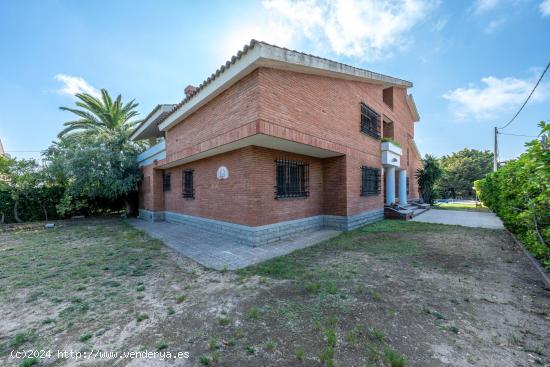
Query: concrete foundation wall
x=262, y=235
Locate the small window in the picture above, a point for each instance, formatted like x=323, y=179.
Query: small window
x=370, y=181
x=166, y=182
x=292, y=179
x=370, y=121
x=188, y=191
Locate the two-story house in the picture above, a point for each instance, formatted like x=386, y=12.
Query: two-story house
x=276, y=142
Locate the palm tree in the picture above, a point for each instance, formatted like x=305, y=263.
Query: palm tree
x=99, y=116
x=427, y=177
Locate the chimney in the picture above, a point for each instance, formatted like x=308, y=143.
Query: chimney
x=190, y=90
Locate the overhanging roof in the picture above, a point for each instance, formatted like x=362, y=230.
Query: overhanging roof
x=412, y=108
x=260, y=54
x=260, y=140
x=148, y=128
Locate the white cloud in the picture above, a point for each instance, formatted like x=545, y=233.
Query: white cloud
x=440, y=24
x=496, y=95
x=494, y=25
x=74, y=84
x=364, y=29
x=483, y=6
x=544, y=8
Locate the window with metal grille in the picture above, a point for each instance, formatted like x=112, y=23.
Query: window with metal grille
x=370, y=181
x=166, y=182
x=292, y=179
x=370, y=121
x=407, y=185
x=187, y=189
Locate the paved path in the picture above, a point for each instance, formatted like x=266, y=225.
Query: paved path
x=461, y=218
x=215, y=251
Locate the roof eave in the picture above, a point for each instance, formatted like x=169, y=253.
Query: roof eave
x=148, y=127
x=412, y=108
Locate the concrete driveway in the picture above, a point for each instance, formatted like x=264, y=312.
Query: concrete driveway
x=461, y=218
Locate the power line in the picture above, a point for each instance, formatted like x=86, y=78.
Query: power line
x=526, y=136
x=527, y=100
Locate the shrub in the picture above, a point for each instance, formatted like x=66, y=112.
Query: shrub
x=519, y=193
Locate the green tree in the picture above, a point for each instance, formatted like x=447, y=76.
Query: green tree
x=519, y=193
x=100, y=116
x=99, y=171
x=461, y=169
x=29, y=188
x=5, y=195
x=427, y=176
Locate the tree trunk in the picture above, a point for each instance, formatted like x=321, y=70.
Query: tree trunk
x=535, y=221
x=45, y=211
x=15, y=212
x=131, y=202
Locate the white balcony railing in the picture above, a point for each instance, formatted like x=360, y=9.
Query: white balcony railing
x=156, y=152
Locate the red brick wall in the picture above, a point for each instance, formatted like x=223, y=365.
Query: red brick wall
x=150, y=193
x=329, y=109
x=335, y=191
x=247, y=196
x=217, y=122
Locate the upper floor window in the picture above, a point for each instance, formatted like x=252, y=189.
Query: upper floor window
x=370, y=181
x=292, y=179
x=166, y=182
x=187, y=188
x=370, y=121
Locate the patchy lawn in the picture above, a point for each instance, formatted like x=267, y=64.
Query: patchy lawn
x=468, y=206
x=389, y=294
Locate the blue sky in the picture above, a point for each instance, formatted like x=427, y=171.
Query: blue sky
x=472, y=62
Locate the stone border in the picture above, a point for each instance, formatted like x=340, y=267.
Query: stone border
x=261, y=235
x=533, y=261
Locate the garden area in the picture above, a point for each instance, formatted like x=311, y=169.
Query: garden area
x=467, y=205
x=388, y=294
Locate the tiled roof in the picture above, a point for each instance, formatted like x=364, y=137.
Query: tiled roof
x=238, y=56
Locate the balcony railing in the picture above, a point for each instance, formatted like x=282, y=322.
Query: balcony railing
x=391, y=154
x=156, y=152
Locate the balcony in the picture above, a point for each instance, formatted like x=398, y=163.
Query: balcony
x=391, y=154
x=154, y=153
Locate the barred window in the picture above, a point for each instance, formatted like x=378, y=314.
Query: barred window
x=166, y=182
x=370, y=181
x=187, y=189
x=292, y=179
x=370, y=121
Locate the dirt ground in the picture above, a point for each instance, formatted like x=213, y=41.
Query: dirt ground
x=389, y=294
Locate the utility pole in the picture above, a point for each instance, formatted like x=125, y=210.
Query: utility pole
x=495, y=150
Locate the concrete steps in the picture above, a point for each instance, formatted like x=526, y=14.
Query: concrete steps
x=405, y=212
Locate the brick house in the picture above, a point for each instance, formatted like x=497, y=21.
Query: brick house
x=277, y=142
